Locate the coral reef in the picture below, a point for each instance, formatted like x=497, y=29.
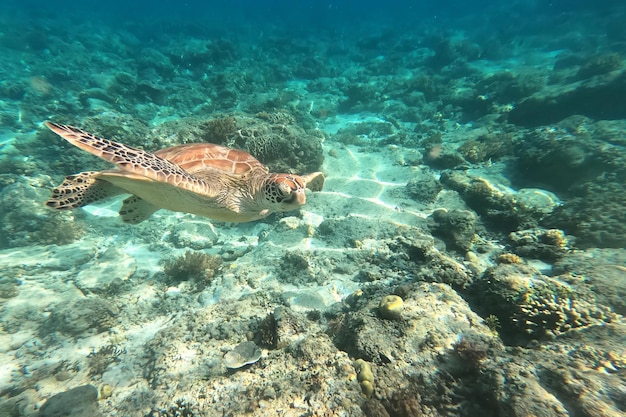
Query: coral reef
x=272, y=137
x=531, y=306
x=548, y=245
x=509, y=258
x=219, y=130
x=465, y=259
x=487, y=148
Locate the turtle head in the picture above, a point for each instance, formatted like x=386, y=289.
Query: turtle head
x=284, y=192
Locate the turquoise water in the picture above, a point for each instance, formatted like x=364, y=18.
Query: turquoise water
x=464, y=256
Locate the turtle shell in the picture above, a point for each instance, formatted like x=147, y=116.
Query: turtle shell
x=198, y=157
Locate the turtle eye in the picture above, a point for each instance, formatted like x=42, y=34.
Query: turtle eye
x=279, y=192
x=284, y=193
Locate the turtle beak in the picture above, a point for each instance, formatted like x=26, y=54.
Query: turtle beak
x=299, y=197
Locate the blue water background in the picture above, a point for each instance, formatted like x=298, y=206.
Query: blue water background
x=299, y=16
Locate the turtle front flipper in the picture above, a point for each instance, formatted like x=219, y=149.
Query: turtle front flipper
x=81, y=189
x=129, y=159
x=314, y=181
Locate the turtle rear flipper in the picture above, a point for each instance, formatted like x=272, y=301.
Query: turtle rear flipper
x=135, y=210
x=81, y=189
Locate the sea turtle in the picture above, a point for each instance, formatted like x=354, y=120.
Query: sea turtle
x=201, y=178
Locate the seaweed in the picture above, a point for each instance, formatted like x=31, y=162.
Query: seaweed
x=192, y=265
x=98, y=361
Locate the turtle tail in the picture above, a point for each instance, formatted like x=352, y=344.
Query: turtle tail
x=81, y=189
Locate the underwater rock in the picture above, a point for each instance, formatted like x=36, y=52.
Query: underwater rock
x=245, y=353
x=456, y=227
x=294, y=268
x=360, y=331
x=446, y=270
x=497, y=204
x=148, y=92
x=599, y=97
x=604, y=272
x=12, y=90
x=528, y=396
x=596, y=216
x=359, y=96
x=440, y=157
x=304, y=300
x=599, y=64
x=194, y=235
x=564, y=157
x=448, y=51
x=77, y=402
x=582, y=160
x=424, y=188
x=347, y=231
x=487, y=148
x=589, y=377
x=413, y=253
x=88, y=95
x=111, y=266
x=122, y=127
x=509, y=86
x=86, y=314
x=374, y=408
x=25, y=220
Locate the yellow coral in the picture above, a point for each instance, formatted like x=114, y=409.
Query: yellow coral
x=365, y=376
x=509, y=258
x=391, y=307
x=555, y=237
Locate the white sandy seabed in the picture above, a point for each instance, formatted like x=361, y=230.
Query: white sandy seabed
x=166, y=343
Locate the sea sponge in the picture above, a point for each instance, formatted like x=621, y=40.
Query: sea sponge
x=391, y=307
